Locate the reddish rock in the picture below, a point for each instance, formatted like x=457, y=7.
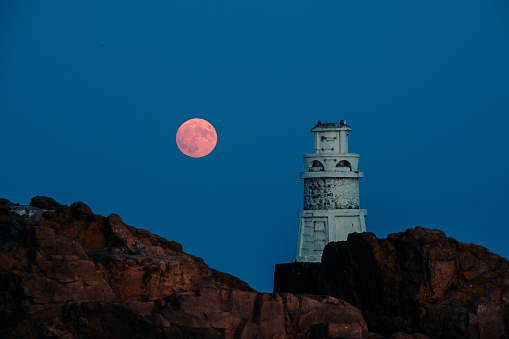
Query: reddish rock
x=66, y=272
x=268, y=315
x=420, y=281
x=46, y=203
x=80, y=208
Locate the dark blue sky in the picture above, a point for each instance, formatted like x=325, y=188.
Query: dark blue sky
x=92, y=94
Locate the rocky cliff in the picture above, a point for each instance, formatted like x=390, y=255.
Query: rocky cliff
x=413, y=281
x=66, y=272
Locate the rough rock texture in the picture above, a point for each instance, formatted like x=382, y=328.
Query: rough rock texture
x=417, y=281
x=69, y=273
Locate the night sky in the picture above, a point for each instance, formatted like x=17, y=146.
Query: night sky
x=92, y=94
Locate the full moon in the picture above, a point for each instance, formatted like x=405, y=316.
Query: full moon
x=196, y=138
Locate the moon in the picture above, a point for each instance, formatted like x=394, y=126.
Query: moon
x=196, y=138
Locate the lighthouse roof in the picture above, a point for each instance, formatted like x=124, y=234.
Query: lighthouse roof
x=331, y=126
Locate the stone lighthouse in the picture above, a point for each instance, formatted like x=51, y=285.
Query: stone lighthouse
x=331, y=193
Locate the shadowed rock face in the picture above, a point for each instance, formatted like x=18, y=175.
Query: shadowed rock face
x=416, y=281
x=67, y=272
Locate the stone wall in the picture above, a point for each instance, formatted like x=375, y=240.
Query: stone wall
x=331, y=193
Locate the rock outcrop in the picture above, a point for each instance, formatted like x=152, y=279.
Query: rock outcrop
x=69, y=273
x=413, y=281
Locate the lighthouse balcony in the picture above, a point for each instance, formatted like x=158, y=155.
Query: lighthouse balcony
x=331, y=174
x=315, y=169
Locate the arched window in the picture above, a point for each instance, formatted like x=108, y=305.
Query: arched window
x=343, y=165
x=315, y=166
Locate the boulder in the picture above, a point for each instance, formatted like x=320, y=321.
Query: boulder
x=46, y=203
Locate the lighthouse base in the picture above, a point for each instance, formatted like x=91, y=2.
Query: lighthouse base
x=297, y=277
x=319, y=227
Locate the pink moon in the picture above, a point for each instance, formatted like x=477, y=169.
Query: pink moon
x=196, y=138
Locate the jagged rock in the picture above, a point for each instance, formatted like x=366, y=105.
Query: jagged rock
x=66, y=272
x=264, y=315
x=46, y=203
x=4, y=202
x=416, y=281
x=81, y=208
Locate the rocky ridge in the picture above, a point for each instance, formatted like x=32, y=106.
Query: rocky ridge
x=413, y=281
x=66, y=272
x=69, y=273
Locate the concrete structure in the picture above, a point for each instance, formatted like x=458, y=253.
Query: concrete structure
x=331, y=193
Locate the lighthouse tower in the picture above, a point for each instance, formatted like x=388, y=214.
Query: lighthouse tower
x=331, y=193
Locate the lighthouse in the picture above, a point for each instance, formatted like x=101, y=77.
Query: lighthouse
x=331, y=193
